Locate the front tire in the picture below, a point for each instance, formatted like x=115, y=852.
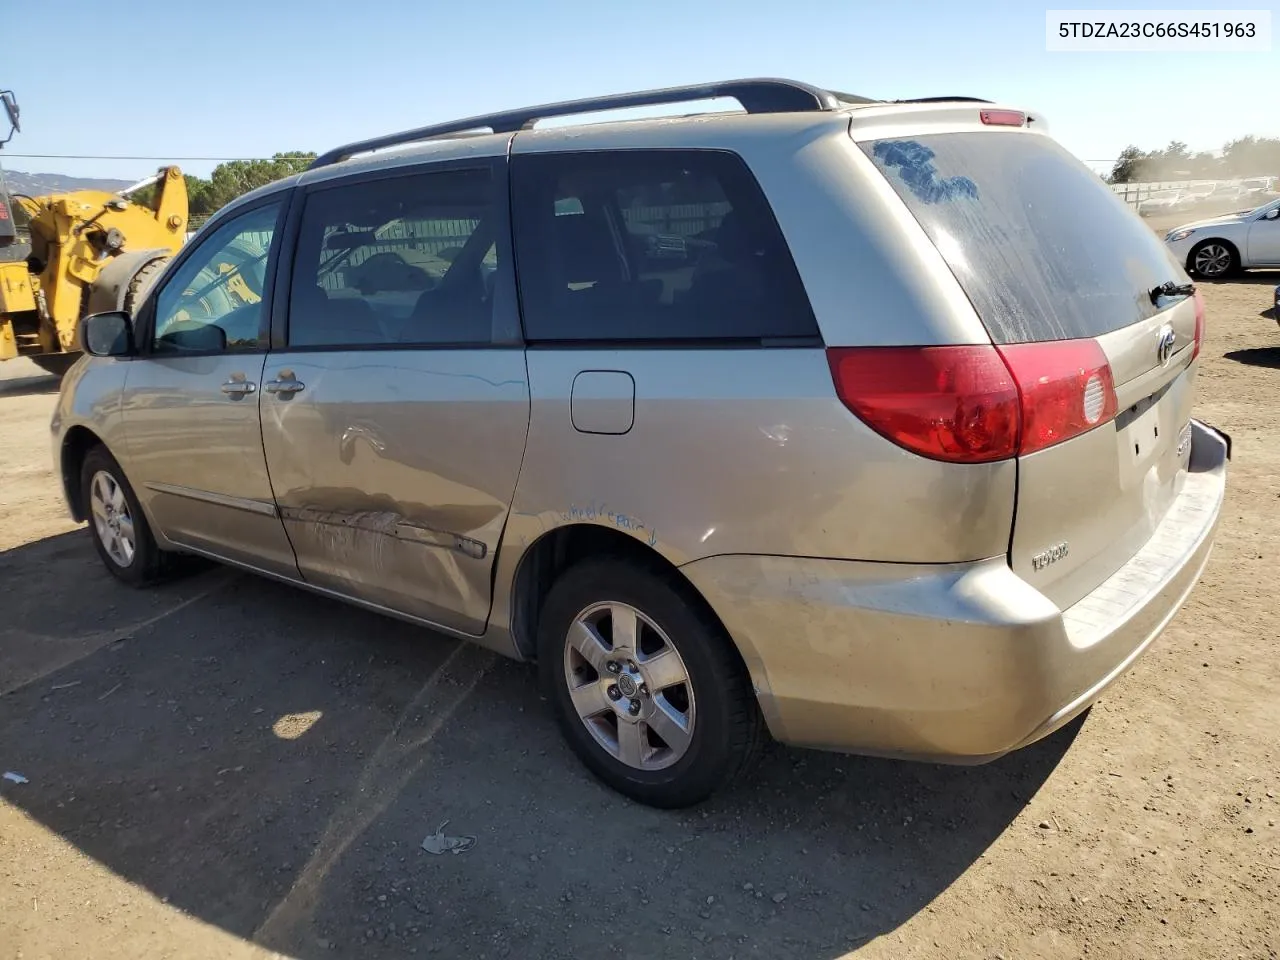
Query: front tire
x=648, y=688
x=119, y=529
x=1214, y=260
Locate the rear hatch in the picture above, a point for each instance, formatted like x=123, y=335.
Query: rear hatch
x=1096, y=322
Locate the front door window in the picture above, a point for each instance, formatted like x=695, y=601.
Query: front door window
x=214, y=302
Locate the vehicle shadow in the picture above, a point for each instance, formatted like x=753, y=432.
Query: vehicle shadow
x=1256, y=356
x=29, y=386
x=1246, y=277
x=270, y=763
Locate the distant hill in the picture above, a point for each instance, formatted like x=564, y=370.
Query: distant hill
x=36, y=184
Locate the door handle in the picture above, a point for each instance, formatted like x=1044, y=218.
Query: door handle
x=288, y=387
x=236, y=389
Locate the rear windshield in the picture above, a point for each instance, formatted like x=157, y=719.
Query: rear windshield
x=1043, y=248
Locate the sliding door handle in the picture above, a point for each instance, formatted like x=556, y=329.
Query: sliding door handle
x=285, y=388
x=237, y=389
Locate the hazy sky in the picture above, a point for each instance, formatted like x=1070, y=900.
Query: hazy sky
x=242, y=79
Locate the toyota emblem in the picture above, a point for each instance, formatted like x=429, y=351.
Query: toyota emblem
x=1165, y=344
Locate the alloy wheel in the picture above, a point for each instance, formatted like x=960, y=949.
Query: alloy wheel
x=1212, y=260
x=629, y=686
x=111, y=518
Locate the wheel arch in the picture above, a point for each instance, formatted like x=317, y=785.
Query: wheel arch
x=547, y=557
x=1189, y=266
x=76, y=444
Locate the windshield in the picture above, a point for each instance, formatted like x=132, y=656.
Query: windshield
x=1269, y=205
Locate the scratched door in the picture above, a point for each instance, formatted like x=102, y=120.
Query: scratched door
x=394, y=420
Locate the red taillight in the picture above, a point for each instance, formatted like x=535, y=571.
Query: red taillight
x=1066, y=389
x=977, y=404
x=1003, y=118
x=1199, y=299
x=948, y=403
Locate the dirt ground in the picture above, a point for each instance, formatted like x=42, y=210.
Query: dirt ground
x=229, y=768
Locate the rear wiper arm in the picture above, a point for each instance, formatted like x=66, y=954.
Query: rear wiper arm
x=1171, y=289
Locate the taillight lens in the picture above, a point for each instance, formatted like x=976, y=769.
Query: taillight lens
x=977, y=404
x=1066, y=388
x=958, y=404
x=1199, y=299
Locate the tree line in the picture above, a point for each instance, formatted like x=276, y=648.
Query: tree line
x=1246, y=157
x=233, y=179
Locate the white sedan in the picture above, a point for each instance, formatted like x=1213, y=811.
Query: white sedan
x=1220, y=246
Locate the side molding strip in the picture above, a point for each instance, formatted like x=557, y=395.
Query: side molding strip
x=390, y=524
x=221, y=499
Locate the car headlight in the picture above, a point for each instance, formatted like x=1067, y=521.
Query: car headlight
x=1178, y=235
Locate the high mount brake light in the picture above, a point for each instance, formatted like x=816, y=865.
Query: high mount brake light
x=977, y=403
x=1003, y=118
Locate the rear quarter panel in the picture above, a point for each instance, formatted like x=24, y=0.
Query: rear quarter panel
x=748, y=451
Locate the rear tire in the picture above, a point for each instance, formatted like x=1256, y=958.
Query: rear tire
x=1214, y=260
x=119, y=529
x=663, y=712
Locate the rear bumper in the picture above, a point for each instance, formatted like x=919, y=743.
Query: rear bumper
x=958, y=663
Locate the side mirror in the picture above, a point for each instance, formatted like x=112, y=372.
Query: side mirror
x=107, y=334
x=1273, y=214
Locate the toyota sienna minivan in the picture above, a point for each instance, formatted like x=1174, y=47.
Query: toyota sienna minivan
x=860, y=425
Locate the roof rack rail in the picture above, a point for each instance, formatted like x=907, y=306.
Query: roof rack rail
x=763, y=95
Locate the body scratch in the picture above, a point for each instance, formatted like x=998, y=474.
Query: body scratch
x=600, y=512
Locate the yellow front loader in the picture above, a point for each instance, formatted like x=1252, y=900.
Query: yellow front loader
x=89, y=251
x=81, y=240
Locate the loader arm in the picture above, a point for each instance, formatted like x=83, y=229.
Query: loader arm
x=74, y=237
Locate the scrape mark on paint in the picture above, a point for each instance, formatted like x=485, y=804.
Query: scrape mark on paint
x=386, y=523
x=602, y=513
x=914, y=162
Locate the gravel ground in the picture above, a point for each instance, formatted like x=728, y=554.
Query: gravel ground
x=229, y=768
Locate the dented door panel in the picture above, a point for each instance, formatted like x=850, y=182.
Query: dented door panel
x=394, y=472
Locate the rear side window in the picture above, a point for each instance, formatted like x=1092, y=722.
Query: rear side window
x=651, y=245
x=1042, y=247
x=405, y=260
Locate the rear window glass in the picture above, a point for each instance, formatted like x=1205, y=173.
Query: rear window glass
x=1043, y=248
